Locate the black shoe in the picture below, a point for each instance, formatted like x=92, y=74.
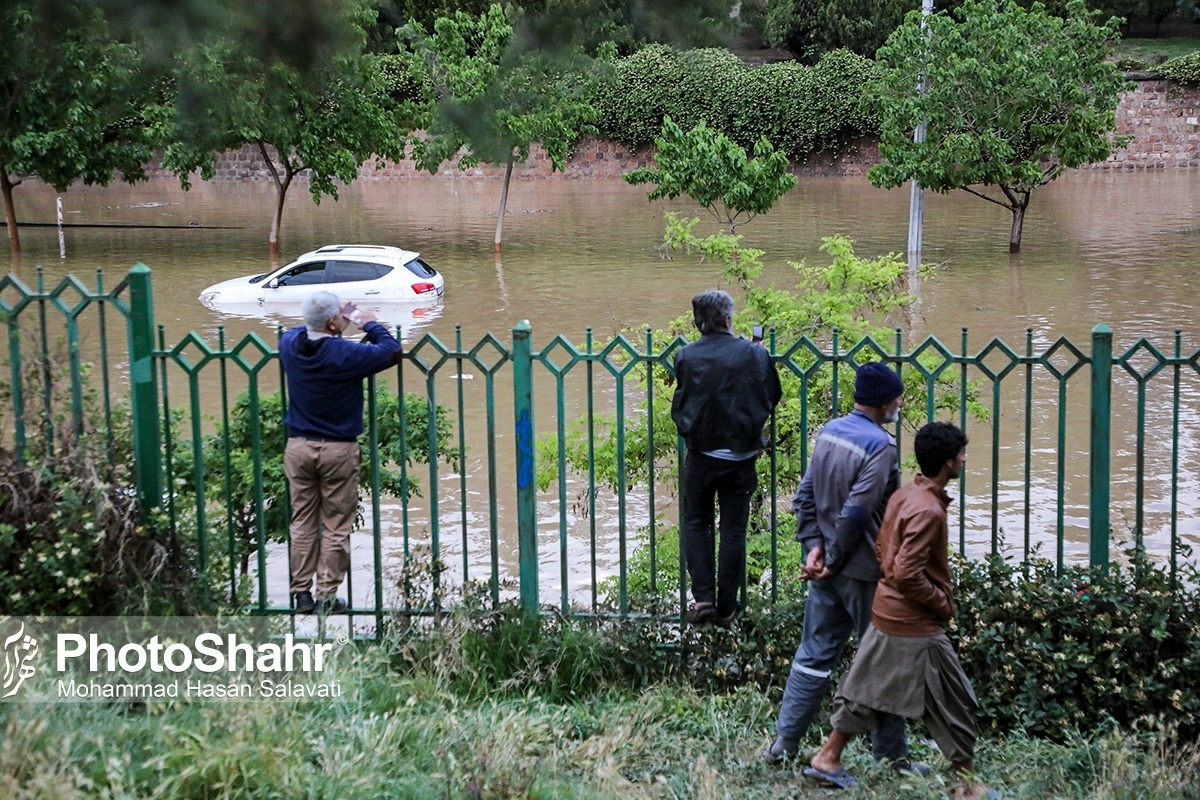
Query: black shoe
x=331, y=605
x=904, y=766
x=303, y=603
x=779, y=751
x=700, y=613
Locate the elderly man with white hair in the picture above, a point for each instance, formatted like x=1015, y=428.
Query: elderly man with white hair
x=324, y=420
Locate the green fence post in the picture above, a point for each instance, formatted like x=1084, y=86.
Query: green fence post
x=522, y=355
x=1101, y=437
x=144, y=391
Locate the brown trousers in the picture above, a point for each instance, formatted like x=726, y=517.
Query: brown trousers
x=323, y=479
x=919, y=677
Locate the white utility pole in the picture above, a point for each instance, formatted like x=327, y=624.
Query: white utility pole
x=916, y=208
x=62, y=242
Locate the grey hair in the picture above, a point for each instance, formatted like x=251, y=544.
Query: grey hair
x=318, y=308
x=709, y=310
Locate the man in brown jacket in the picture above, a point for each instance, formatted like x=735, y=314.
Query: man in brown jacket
x=906, y=664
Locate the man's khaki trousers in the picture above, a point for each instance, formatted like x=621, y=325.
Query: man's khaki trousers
x=323, y=478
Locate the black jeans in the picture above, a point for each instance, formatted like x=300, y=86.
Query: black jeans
x=732, y=483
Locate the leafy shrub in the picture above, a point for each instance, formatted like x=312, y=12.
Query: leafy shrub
x=1050, y=653
x=801, y=110
x=1185, y=69
x=1132, y=64
x=72, y=540
x=809, y=28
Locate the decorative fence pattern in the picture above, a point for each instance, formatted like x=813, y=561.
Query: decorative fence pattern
x=548, y=473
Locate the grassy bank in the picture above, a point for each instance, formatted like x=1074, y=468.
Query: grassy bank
x=413, y=728
x=1152, y=52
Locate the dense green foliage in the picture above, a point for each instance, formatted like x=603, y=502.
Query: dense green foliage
x=487, y=96
x=1051, y=652
x=800, y=110
x=592, y=23
x=1010, y=98
x=1048, y=653
x=1184, y=69
x=74, y=104
x=72, y=540
x=810, y=28
x=328, y=119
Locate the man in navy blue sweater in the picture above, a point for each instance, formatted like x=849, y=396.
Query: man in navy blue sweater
x=324, y=420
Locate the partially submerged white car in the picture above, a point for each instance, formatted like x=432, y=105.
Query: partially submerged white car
x=359, y=273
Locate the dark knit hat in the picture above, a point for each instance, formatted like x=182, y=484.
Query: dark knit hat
x=876, y=384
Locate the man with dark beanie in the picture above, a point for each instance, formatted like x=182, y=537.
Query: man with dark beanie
x=839, y=506
x=324, y=419
x=725, y=389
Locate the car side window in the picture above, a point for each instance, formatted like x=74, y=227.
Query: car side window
x=352, y=271
x=307, y=274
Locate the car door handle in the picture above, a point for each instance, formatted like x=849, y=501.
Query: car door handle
x=371, y=291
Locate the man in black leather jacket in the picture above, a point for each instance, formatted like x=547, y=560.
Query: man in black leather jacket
x=726, y=388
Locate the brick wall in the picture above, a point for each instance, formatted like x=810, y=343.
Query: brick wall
x=1164, y=120
x=1162, y=117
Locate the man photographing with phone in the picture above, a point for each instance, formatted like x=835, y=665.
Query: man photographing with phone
x=324, y=420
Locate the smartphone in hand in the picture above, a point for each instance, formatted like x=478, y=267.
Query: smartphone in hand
x=351, y=313
x=757, y=334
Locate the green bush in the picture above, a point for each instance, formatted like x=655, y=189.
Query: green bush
x=801, y=110
x=1185, y=69
x=810, y=28
x=72, y=538
x=1049, y=653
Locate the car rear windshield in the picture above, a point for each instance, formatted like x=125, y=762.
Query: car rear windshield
x=420, y=268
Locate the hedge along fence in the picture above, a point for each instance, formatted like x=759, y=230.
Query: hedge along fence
x=801, y=110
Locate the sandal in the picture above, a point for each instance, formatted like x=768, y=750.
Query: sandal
x=699, y=613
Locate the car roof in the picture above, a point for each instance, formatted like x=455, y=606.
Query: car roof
x=368, y=251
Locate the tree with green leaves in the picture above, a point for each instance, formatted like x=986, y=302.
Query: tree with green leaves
x=627, y=24
x=1013, y=97
x=490, y=94
x=326, y=118
x=74, y=102
x=810, y=28
x=715, y=171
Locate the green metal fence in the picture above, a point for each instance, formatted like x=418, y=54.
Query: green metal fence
x=547, y=473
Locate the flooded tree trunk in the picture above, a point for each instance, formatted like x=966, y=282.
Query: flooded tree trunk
x=10, y=211
x=277, y=220
x=1018, y=202
x=282, y=182
x=503, y=201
